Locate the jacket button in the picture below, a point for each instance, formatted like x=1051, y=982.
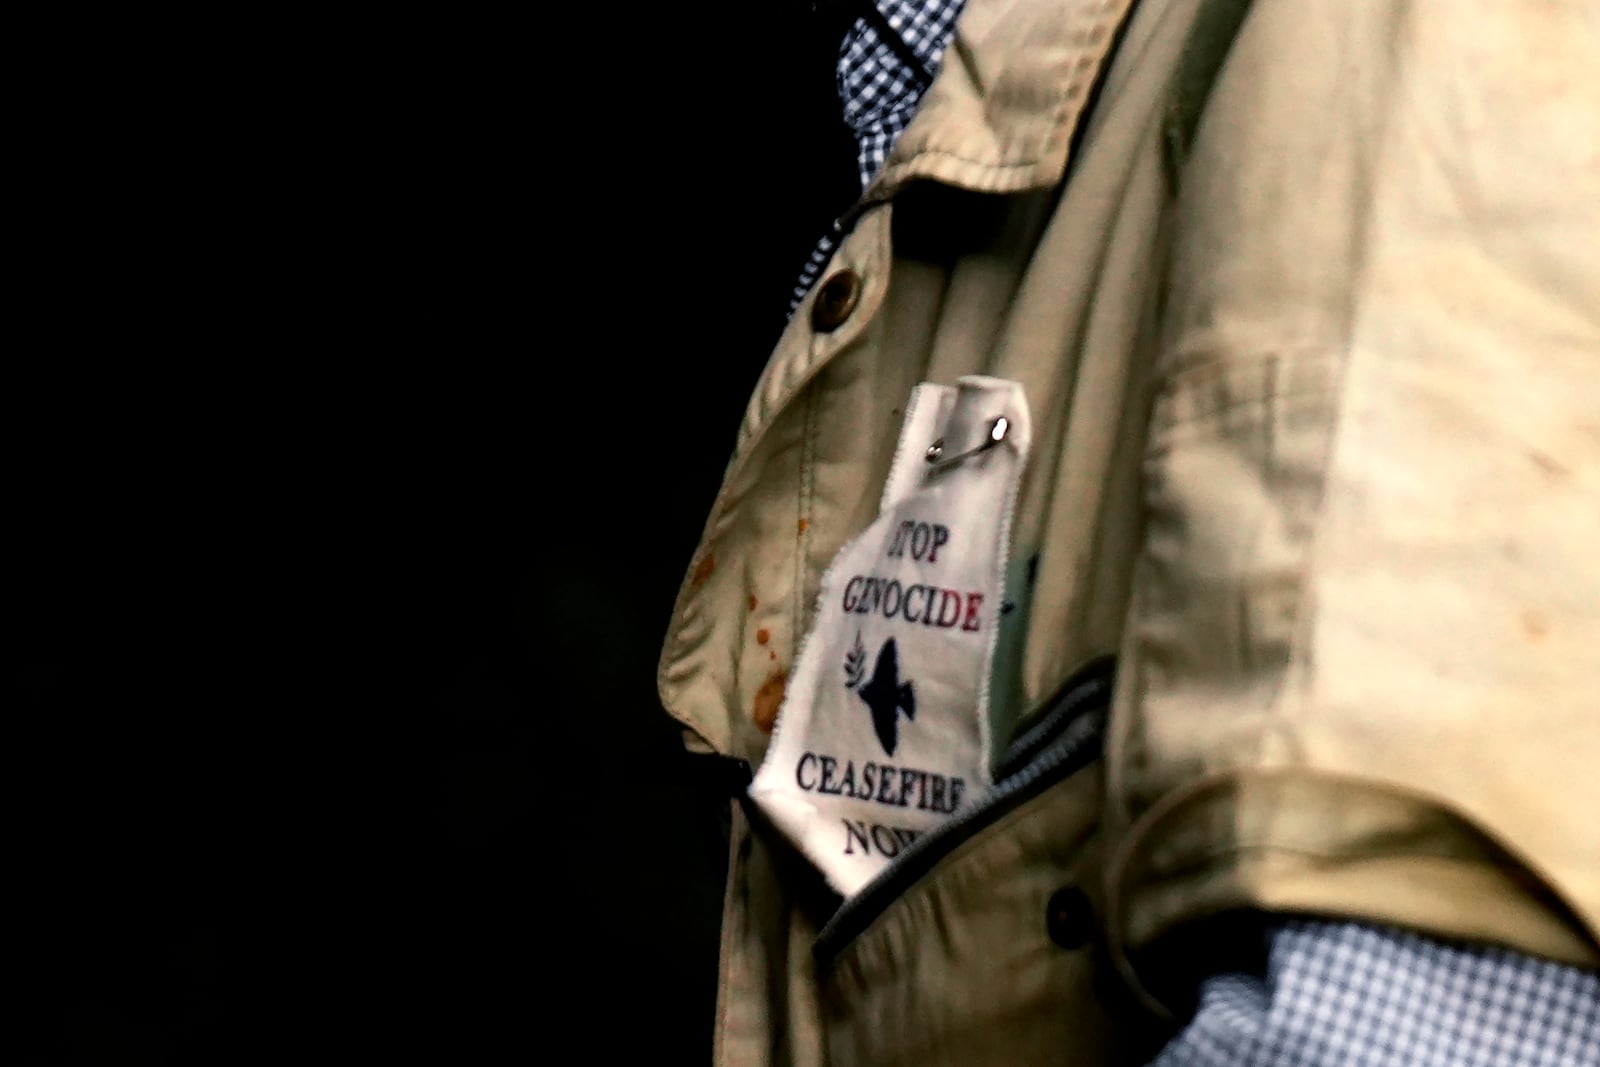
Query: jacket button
x=835, y=300
x=1069, y=917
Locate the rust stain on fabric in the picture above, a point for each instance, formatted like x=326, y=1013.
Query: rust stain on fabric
x=1548, y=465
x=803, y=524
x=703, y=571
x=752, y=602
x=768, y=699
x=763, y=635
x=1536, y=625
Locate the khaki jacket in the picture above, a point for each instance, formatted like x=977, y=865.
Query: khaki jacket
x=1305, y=299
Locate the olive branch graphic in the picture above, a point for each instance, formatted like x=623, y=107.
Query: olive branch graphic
x=855, y=663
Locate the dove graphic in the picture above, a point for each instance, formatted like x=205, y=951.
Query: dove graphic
x=887, y=696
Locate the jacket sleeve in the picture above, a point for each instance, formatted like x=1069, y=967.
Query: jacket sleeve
x=1361, y=675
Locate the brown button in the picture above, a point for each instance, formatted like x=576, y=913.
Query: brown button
x=1069, y=917
x=835, y=300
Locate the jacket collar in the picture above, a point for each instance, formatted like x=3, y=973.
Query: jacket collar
x=1015, y=83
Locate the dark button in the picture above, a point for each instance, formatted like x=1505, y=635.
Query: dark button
x=1069, y=917
x=835, y=300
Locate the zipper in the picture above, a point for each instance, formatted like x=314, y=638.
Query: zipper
x=1067, y=739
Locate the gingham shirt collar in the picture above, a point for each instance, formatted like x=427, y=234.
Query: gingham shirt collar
x=879, y=90
x=880, y=93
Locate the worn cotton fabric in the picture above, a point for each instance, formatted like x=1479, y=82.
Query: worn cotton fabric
x=1399, y=262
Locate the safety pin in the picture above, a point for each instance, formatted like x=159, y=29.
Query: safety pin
x=939, y=461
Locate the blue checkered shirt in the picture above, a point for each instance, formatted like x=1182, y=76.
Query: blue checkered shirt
x=880, y=91
x=1332, y=994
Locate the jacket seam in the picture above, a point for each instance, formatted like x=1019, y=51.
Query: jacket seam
x=807, y=490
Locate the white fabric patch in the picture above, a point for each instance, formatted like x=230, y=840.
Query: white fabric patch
x=884, y=731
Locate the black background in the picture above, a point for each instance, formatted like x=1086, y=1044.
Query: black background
x=367, y=389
